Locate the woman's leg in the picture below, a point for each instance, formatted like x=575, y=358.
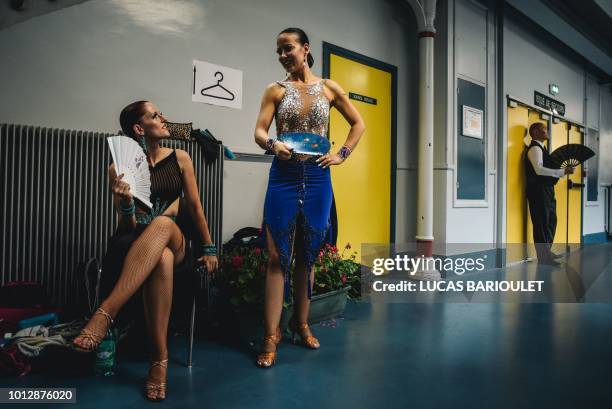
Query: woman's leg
x=300, y=288
x=157, y=299
x=301, y=304
x=273, y=303
x=275, y=285
x=143, y=256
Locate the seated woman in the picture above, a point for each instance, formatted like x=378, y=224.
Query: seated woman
x=148, y=243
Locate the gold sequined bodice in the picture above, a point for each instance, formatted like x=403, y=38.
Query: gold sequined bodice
x=302, y=109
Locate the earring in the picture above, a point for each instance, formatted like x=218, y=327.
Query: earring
x=143, y=145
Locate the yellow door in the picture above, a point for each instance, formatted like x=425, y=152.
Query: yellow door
x=574, y=224
x=519, y=230
x=362, y=185
x=569, y=200
x=558, y=137
x=534, y=116
x=516, y=201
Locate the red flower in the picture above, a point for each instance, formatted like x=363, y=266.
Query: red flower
x=343, y=278
x=237, y=261
x=257, y=250
x=334, y=249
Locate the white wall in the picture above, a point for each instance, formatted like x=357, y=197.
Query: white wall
x=605, y=136
x=531, y=65
x=468, y=41
x=77, y=67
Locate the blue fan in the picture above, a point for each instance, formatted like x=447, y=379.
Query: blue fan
x=306, y=143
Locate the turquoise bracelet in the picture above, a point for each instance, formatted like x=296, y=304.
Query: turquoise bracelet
x=209, y=249
x=127, y=210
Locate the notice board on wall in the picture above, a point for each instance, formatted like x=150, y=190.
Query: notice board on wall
x=471, y=137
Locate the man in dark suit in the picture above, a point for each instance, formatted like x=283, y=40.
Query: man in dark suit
x=541, y=180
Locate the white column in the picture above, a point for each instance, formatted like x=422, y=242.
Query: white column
x=425, y=14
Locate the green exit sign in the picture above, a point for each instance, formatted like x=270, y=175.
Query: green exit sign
x=553, y=89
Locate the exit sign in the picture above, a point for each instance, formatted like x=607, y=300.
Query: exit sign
x=553, y=89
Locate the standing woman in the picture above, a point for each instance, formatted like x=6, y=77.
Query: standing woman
x=148, y=243
x=299, y=195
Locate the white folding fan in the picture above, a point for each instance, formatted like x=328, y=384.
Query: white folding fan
x=130, y=160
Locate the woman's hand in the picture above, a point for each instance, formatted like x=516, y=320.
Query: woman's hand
x=326, y=161
x=210, y=262
x=122, y=189
x=281, y=150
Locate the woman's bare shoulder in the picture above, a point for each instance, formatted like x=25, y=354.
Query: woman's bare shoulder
x=274, y=90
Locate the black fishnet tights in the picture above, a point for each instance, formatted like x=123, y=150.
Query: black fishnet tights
x=149, y=263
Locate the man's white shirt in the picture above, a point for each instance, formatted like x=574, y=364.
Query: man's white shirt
x=537, y=161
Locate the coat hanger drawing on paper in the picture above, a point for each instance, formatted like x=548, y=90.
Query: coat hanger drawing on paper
x=229, y=95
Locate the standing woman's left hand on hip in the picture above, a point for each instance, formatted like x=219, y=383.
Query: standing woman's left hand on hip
x=326, y=161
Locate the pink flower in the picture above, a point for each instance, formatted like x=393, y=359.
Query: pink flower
x=237, y=261
x=343, y=278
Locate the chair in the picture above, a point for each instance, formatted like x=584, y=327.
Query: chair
x=198, y=277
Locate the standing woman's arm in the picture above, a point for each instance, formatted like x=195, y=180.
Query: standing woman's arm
x=272, y=94
x=340, y=101
x=192, y=197
x=123, y=200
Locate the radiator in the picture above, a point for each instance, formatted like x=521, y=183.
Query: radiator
x=57, y=207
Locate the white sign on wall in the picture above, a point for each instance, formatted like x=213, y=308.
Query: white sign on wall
x=472, y=122
x=216, y=85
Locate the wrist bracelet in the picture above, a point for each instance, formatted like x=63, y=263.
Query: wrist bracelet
x=270, y=144
x=344, y=152
x=127, y=210
x=209, y=249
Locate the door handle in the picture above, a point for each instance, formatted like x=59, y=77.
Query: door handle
x=571, y=184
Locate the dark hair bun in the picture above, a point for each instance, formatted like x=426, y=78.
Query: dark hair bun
x=310, y=60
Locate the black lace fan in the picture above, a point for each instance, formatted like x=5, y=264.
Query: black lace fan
x=570, y=155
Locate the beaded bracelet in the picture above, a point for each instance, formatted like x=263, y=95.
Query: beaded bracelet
x=344, y=152
x=270, y=144
x=127, y=210
x=209, y=249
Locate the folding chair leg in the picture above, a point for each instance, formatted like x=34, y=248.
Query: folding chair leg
x=191, y=330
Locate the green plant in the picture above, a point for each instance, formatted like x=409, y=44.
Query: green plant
x=244, y=274
x=333, y=271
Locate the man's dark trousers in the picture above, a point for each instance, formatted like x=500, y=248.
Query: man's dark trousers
x=543, y=210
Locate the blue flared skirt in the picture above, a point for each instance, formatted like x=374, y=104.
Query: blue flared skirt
x=299, y=194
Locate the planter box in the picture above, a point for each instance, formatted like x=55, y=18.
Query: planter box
x=328, y=305
x=322, y=307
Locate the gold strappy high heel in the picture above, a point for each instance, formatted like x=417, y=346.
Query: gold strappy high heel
x=159, y=388
x=307, y=339
x=92, y=337
x=266, y=359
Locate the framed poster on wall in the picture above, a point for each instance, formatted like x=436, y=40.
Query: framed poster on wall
x=472, y=122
